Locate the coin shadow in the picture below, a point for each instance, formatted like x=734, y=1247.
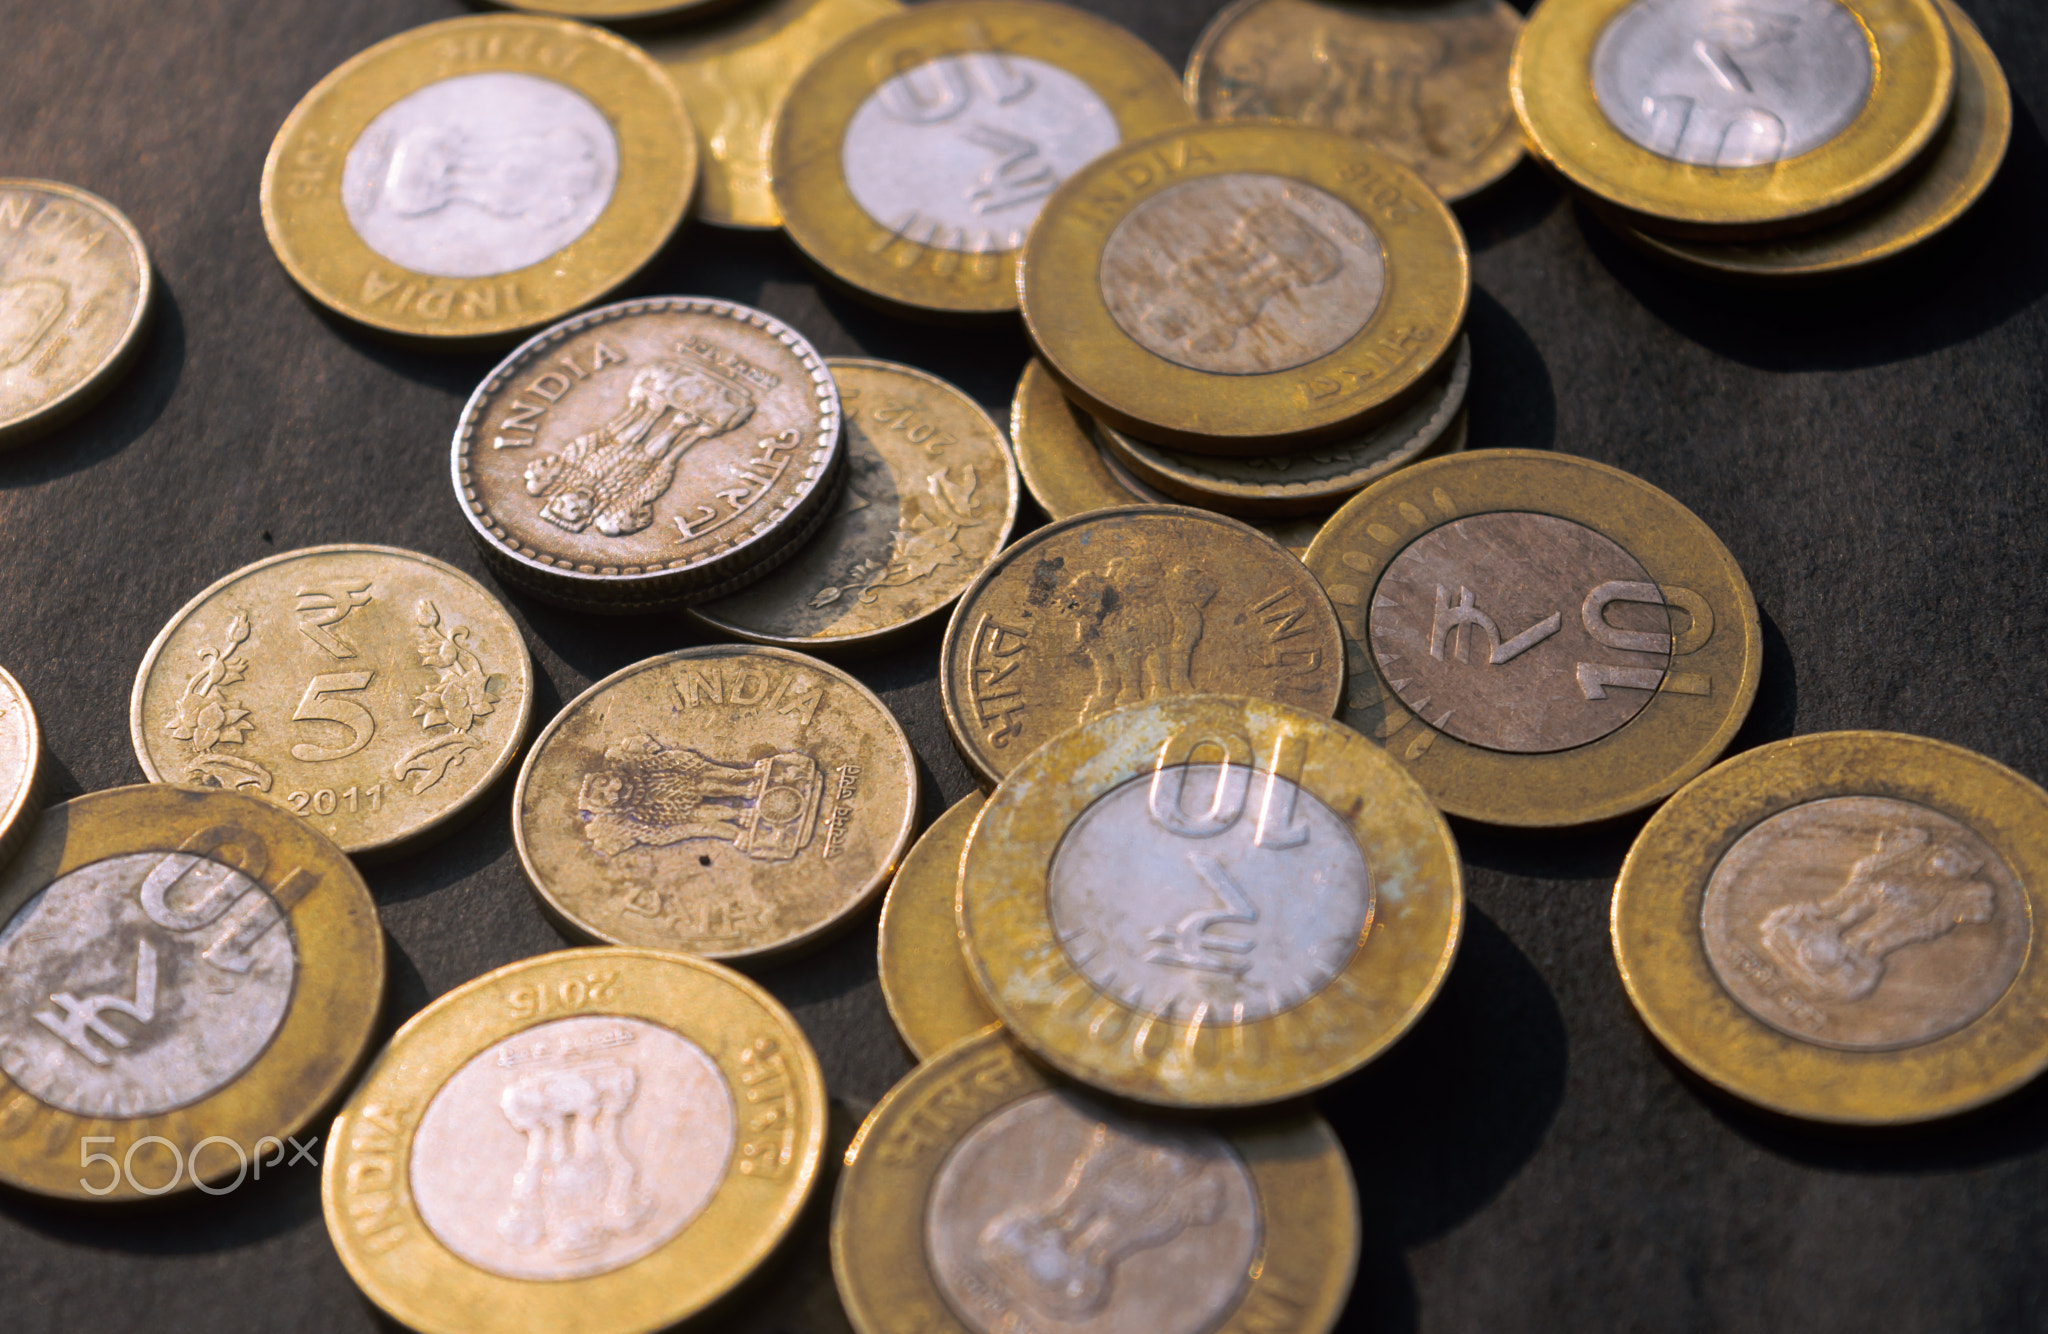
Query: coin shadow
x=1510, y=403
x=1775, y=714
x=1517, y=203
x=109, y=426
x=453, y=370
x=594, y=646
x=984, y=359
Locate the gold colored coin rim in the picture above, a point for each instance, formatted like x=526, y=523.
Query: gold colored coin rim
x=18, y=816
x=453, y=1296
x=138, y=728
x=1007, y=930
x=903, y=979
x=1914, y=80
x=1551, y=789
x=1061, y=467
x=1307, y=1201
x=337, y=990
x=1125, y=384
x=1654, y=926
x=314, y=240
x=575, y=926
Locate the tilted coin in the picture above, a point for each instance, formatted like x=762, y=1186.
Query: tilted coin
x=647, y=453
x=601, y=1140
x=1426, y=85
x=730, y=801
x=1118, y=607
x=912, y=158
x=1542, y=640
x=377, y=693
x=479, y=177
x=1841, y=927
x=1210, y=901
x=734, y=71
x=984, y=1194
x=1246, y=288
x=21, y=765
x=76, y=291
x=929, y=498
x=1731, y=123
x=924, y=974
x=186, y=978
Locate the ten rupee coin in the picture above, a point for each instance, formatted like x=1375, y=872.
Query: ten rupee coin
x=924, y=975
x=21, y=765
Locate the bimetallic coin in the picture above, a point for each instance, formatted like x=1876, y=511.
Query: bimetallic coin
x=910, y=161
x=605, y=1140
x=647, y=453
x=984, y=1195
x=21, y=766
x=1543, y=640
x=479, y=177
x=1426, y=85
x=377, y=693
x=1841, y=927
x=924, y=975
x=729, y=801
x=929, y=498
x=186, y=977
x=1118, y=607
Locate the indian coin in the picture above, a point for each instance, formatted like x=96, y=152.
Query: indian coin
x=1210, y=901
x=1118, y=607
x=1542, y=640
x=479, y=177
x=186, y=977
x=601, y=1140
x=76, y=291
x=729, y=801
x=929, y=498
x=377, y=693
x=1426, y=85
x=1729, y=123
x=649, y=452
x=983, y=1194
x=1841, y=927
x=734, y=71
x=924, y=975
x=21, y=766
x=912, y=158
x=1248, y=288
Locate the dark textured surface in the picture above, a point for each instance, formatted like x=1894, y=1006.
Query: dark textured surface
x=1526, y=1159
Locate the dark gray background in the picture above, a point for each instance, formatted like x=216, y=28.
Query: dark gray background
x=1527, y=1159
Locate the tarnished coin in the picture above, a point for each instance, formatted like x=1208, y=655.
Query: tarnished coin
x=1425, y=84
x=186, y=978
x=76, y=292
x=1727, y=122
x=479, y=177
x=377, y=693
x=1210, y=901
x=924, y=974
x=21, y=765
x=601, y=1140
x=1841, y=927
x=1118, y=607
x=729, y=801
x=929, y=498
x=733, y=71
x=647, y=453
x=912, y=158
x=985, y=1195
x=1542, y=640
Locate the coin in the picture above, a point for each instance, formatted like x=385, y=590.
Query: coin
x=1728, y=124
x=929, y=498
x=648, y=452
x=602, y=1140
x=629, y=14
x=1427, y=86
x=1542, y=640
x=377, y=693
x=733, y=71
x=76, y=291
x=186, y=978
x=1840, y=927
x=983, y=1194
x=479, y=177
x=1117, y=607
x=730, y=801
x=912, y=158
x=924, y=975
x=21, y=766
